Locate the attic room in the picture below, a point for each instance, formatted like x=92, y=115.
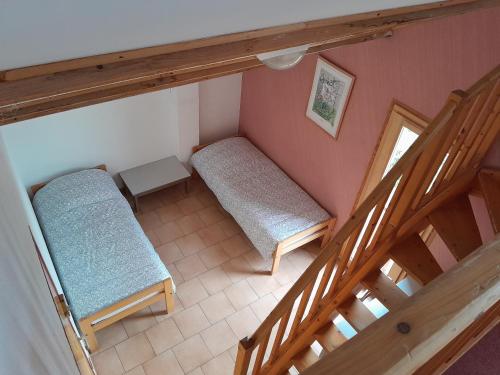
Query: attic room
x=230, y=188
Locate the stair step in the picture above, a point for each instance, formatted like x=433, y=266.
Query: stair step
x=356, y=313
x=305, y=359
x=384, y=289
x=489, y=180
x=456, y=225
x=413, y=255
x=330, y=337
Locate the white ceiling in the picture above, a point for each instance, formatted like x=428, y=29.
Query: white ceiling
x=36, y=31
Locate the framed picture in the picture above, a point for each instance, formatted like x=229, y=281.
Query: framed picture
x=329, y=96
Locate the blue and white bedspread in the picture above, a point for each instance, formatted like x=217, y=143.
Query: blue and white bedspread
x=264, y=201
x=98, y=248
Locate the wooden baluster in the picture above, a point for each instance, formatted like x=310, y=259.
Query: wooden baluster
x=301, y=309
x=322, y=285
x=455, y=123
x=479, y=150
x=456, y=149
x=260, y=354
x=245, y=349
x=345, y=254
x=279, y=336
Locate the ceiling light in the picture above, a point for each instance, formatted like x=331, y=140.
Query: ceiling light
x=283, y=58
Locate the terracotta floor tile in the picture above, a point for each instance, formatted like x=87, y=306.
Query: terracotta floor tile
x=215, y=280
x=149, y=220
x=241, y=294
x=280, y=292
x=135, y=351
x=229, y=227
x=196, y=371
x=263, y=306
x=190, y=223
x=163, y=364
x=149, y=203
x=263, y=284
x=111, y=336
x=159, y=309
x=257, y=262
x=176, y=275
x=169, y=253
x=217, y=307
x=213, y=256
x=219, y=338
x=211, y=215
x=190, y=267
x=211, y=235
x=191, y=292
x=190, y=244
x=300, y=258
x=207, y=198
x=189, y=205
x=236, y=245
x=221, y=365
x=107, y=362
x=173, y=194
x=164, y=336
x=191, y=321
x=238, y=269
x=243, y=322
x=287, y=272
x=169, y=213
x=153, y=238
x=139, y=370
x=192, y=353
x=168, y=232
x=139, y=321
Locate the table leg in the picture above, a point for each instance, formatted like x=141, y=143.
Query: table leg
x=136, y=204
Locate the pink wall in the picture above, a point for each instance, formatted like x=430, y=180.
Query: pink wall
x=419, y=66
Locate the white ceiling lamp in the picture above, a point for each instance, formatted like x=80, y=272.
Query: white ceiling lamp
x=284, y=58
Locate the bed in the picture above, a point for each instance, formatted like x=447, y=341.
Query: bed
x=272, y=210
x=107, y=267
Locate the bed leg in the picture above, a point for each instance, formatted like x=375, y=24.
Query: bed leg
x=169, y=295
x=276, y=260
x=89, y=333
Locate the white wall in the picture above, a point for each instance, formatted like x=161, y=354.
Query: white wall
x=34, y=32
x=32, y=340
x=122, y=134
x=219, y=107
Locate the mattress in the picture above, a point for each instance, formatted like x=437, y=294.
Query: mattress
x=263, y=200
x=100, y=252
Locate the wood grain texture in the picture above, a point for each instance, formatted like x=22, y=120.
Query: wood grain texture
x=489, y=181
x=68, y=85
x=384, y=289
x=456, y=225
x=436, y=315
x=415, y=258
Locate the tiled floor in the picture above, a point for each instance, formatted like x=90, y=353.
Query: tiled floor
x=222, y=293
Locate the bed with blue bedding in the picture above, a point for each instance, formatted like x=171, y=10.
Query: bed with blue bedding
x=107, y=266
x=275, y=213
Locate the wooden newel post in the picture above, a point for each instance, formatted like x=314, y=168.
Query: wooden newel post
x=243, y=356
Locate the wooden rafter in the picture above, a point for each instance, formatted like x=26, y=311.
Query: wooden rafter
x=43, y=89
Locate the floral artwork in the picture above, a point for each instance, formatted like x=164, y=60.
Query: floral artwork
x=329, y=95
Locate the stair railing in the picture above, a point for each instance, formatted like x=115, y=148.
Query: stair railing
x=440, y=164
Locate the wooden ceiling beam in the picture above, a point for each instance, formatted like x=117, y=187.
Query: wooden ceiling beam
x=38, y=90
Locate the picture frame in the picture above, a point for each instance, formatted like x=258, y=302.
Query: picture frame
x=330, y=93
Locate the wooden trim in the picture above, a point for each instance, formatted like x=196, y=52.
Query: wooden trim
x=39, y=90
x=399, y=115
x=436, y=315
x=37, y=187
x=161, y=291
x=452, y=352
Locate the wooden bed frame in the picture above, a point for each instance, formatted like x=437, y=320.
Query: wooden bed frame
x=162, y=291
x=323, y=229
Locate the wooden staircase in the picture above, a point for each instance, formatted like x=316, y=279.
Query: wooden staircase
x=428, y=186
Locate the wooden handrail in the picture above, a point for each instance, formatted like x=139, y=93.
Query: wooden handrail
x=395, y=209
x=435, y=315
